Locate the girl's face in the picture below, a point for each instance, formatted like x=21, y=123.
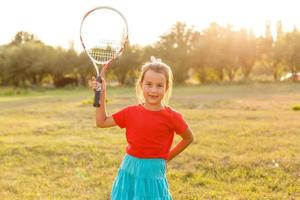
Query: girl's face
x=154, y=86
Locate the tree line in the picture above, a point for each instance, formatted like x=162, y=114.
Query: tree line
x=216, y=54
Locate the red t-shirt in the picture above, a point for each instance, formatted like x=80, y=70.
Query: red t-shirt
x=149, y=133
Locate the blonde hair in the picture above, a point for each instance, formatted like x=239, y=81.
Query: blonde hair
x=159, y=67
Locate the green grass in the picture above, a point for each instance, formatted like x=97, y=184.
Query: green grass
x=246, y=146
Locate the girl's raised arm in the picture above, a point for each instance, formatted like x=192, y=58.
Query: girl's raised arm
x=102, y=120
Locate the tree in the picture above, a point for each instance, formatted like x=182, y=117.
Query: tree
x=222, y=50
x=23, y=37
x=63, y=62
x=228, y=51
x=265, y=49
x=13, y=67
x=198, y=56
x=84, y=68
x=278, y=52
x=124, y=67
x=174, y=48
x=2, y=48
x=247, y=53
x=293, y=51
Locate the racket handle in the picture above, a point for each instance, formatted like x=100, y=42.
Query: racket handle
x=97, y=93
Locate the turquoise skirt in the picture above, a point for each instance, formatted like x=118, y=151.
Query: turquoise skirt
x=141, y=179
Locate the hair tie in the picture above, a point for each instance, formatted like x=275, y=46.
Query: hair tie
x=155, y=60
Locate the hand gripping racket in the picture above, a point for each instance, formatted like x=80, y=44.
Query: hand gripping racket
x=103, y=35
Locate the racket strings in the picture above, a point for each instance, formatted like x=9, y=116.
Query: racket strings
x=105, y=51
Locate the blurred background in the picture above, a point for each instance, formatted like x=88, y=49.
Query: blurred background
x=236, y=65
x=203, y=42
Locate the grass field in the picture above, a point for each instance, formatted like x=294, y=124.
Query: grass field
x=246, y=146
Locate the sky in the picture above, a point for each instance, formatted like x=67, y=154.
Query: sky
x=56, y=22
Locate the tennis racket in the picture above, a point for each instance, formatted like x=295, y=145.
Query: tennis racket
x=103, y=35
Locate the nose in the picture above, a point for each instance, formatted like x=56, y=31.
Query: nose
x=153, y=90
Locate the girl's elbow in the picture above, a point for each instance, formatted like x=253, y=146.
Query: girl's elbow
x=100, y=125
x=191, y=139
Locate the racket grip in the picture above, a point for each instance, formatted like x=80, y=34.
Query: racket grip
x=97, y=93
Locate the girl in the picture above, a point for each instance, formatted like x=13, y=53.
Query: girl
x=150, y=128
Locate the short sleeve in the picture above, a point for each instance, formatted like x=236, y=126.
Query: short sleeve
x=180, y=124
x=120, y=117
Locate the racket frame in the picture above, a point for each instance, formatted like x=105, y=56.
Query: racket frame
x=105, y=64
